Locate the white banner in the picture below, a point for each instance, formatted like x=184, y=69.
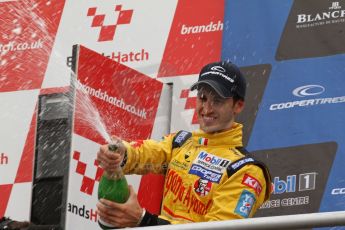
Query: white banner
x=131, y=32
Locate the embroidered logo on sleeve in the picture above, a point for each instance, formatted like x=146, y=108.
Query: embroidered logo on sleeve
x=245, y=204
x=252, y=183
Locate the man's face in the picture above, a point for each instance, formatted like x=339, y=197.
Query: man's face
x=215, y=113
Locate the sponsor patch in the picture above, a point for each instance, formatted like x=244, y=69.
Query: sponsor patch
x=203, y=141
x=245, y=204
x=178, y=164
x=202, y=187
x=205, y=173
x=241, y=162
x=252, y=183
x=180, y=138
x=211, y=162
x=186, y=157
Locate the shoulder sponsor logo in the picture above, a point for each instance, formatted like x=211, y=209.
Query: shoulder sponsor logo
x=307, y=91
x=205, y=173
x=245, y=204
x=252, y=183
x=334, y=14
x=181, y=137
x=241, y=162
x=211, y=162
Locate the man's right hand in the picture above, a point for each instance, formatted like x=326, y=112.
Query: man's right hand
x=110, y=160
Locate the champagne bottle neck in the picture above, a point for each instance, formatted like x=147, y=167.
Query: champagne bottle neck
x=116, y=175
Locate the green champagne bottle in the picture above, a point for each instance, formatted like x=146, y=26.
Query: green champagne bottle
x=112, y=187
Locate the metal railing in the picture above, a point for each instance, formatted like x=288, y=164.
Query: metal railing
x=310, y=220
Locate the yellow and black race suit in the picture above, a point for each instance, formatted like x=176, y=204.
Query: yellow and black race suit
x=207, y=177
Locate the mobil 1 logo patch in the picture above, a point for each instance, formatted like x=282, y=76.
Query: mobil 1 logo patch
x=212, y=162
x=209, y=166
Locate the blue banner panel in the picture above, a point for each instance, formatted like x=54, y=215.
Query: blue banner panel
x=298, y=127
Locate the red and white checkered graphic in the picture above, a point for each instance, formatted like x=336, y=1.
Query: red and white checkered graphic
x=40, y=34
x=87, y=185
x=5, y=191
x=190, y=104
x=17, y=151
x=107, y=32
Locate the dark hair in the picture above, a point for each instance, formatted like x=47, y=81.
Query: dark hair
x=237, y=98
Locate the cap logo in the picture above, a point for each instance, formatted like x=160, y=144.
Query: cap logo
x=218, y=68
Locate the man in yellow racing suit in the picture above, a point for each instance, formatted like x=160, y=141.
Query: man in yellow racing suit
x=208, y=174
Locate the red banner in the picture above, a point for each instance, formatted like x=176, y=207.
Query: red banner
x=125, y=100
x=27, y=33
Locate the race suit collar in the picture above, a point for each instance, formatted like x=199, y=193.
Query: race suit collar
x=232, y=137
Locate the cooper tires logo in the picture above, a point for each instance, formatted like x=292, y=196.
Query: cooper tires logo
x=218, y=68
x=338, y=191
x=308, y=90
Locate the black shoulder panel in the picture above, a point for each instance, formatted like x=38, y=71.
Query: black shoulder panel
x=249, y=159
x=243, y=150
x=180, y=138
x=237, y=165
